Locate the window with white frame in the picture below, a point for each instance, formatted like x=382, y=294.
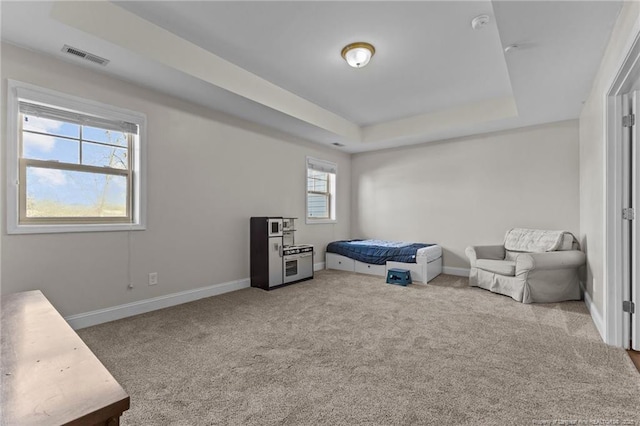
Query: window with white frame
x=321, y=190
x=74, y=165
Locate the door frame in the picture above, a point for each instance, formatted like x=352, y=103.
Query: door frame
x=615, y=330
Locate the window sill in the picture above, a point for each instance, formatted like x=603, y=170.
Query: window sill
x=58, y=229
x=320, y=221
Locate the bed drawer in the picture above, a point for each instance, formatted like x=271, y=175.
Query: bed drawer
x=365, y=268
x=335, y=261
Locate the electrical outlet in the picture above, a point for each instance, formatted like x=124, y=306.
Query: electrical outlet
x=153, y=278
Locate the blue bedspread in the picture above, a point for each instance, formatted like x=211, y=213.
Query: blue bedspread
x=376, y=252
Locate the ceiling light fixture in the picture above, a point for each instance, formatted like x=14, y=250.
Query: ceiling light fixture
x=358, y=54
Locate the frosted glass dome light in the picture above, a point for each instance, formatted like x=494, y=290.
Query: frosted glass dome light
x=358, y=54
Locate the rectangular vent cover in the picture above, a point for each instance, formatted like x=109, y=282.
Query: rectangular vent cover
x=85, y=55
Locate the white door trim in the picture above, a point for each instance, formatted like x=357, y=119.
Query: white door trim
x=614, y=287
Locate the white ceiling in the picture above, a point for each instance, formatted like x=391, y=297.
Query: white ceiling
x=278, y=63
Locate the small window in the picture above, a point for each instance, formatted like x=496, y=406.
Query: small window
x=76, y=166
x=321, y=191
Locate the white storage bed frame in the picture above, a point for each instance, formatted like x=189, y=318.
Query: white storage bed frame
x=428, y=265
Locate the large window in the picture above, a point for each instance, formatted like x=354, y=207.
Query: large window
x=321, y=191
x=75, y=165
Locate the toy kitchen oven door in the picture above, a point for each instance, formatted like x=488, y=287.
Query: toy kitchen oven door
x=297, y=262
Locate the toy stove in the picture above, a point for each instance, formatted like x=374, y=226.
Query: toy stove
x=275, y=258
x=297, y=262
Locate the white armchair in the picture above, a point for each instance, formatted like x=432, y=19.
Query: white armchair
x=542, y=269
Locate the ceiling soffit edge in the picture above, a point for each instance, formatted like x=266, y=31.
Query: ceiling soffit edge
x=438, y=121
x=155, y=43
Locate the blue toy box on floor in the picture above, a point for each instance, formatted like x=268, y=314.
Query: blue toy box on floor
x=399, y=276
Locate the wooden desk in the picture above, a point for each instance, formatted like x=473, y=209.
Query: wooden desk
x=49, y=376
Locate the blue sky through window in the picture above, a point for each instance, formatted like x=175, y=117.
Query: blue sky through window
x=50, y=148
x=105, y=136
x=53, y=192
x=73, y=188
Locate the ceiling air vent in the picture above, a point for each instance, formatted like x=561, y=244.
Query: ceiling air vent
x=85, y=55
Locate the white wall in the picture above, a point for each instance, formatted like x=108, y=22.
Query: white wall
x=469, y=191
x=592, y=155
x=207, y=174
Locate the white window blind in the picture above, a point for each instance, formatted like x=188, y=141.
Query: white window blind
x=322, y=165
x=58, y=114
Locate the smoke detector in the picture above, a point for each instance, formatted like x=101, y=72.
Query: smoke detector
x=511, y=47
x=479, y=22
x=84, y=55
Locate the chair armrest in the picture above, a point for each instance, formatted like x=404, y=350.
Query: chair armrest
x=550, y=260
x=484, y=252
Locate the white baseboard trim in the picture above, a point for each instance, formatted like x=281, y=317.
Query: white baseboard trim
x=318, y=266
x=100, y=316
x=461, y=272
x=595, y=315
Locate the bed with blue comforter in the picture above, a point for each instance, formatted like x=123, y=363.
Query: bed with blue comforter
x=377, y=252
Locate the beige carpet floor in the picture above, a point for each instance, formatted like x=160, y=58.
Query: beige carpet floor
x=348, y=349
